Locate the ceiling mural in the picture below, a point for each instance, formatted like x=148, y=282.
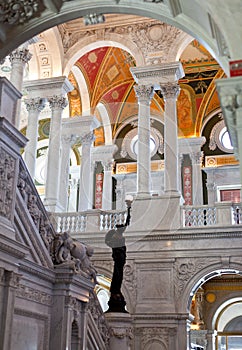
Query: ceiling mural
x=107, y=74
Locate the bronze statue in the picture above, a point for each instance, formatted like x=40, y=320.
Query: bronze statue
x=115, y=240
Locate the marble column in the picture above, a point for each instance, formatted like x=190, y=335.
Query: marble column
x=144, y=94
x=34, y=106
x=85, y=201
x=66, y=143
x=107, y=185
x=18, y=59
x=230, y=95
x=170, y=93
x=197, y=193
x=57, y=104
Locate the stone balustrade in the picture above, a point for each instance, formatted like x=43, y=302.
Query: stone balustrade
x=89, y=221
x=223, y=213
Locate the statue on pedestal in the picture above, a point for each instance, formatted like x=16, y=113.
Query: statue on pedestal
x=115, y=240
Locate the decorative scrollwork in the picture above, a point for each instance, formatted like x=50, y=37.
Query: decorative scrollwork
x=20, y=11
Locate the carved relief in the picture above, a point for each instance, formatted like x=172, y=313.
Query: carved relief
x=20, y=12
x=159, y=336
x=185, y=269
x=7, y=171
x=130, y=281
x=33, y=294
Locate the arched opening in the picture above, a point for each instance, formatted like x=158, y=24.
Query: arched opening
x=216, y=306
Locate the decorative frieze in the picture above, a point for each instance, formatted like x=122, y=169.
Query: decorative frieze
x=32, y=294
x=7, y=182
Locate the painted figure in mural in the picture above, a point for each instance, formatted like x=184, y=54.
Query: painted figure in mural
x=115, y=240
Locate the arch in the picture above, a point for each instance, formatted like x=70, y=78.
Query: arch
x=223, y=307
x=82, y=84
x=91, y=43
x=199, y=278
x=192, y=25
x=105, y=123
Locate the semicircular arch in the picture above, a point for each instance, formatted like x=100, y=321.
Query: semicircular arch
x=75, y=10
x=198, y=276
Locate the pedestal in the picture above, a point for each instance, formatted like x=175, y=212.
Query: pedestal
x=121, y=334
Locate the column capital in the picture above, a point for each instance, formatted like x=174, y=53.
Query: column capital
x=57, y=102
x=108, y=165
x=21, y=55
x=69, y=140
x=34, y=104
x=144, y=93
x=196, y=157
x=170, y=90
x=87, y=139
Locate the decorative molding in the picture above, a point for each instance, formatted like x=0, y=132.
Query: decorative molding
x=33, y=295
x=187, y=268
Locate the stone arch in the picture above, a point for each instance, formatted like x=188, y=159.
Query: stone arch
x=192, y=273
x=72, y=11
x=222, y=307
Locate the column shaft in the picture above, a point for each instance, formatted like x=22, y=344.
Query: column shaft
x=170, y=92
x=57, y=105
x=34, y=106
x=197, y=194
x=85, y=201
x=66, y=144
x=107, y=185
x=144, y=94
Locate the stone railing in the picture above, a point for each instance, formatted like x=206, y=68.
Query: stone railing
x=89, y=221
x=222, y=213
